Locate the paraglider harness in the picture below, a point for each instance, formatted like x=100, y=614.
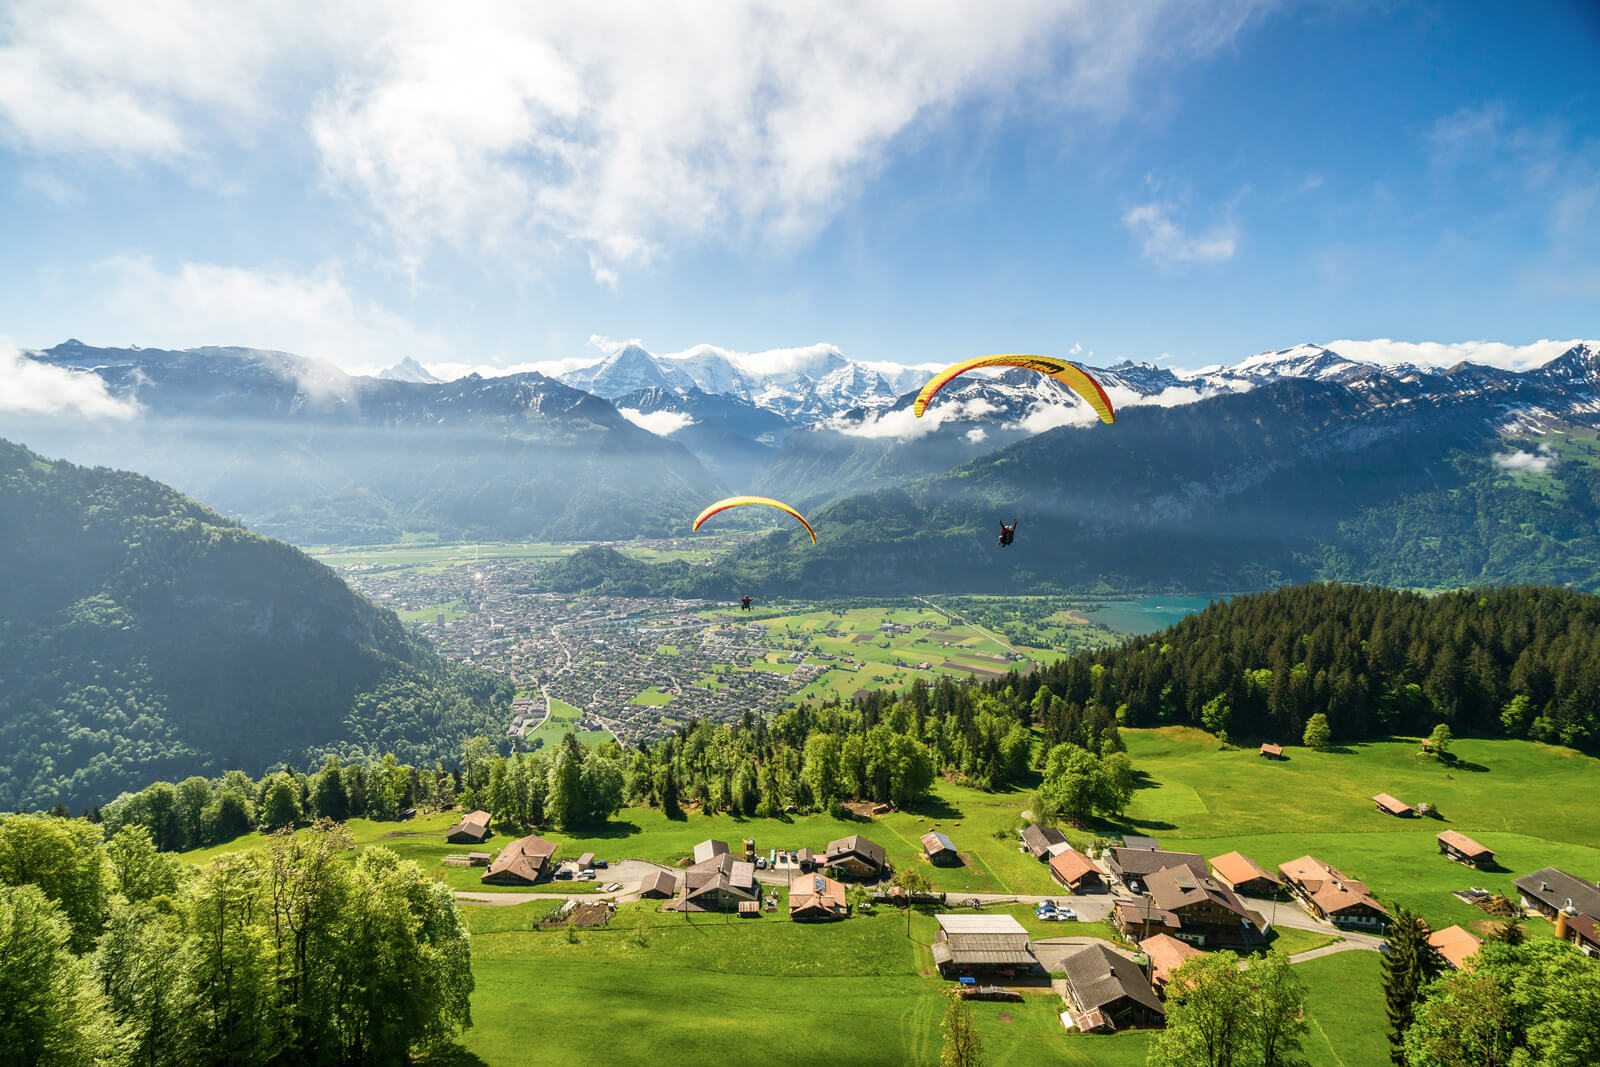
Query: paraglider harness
x=1007, y=533
x=744, y=603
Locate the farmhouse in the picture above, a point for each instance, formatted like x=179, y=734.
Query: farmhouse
x=855, y=856
x=1390, y=806
x=522, y=862
x=1327, y=894
x=1455, y=946
x=1193, y=908
x=811, y=896
x=1464, y=849
x=1244, y=875
x=1166, y=954
x=473, y=827
x=1130, y=866
x=709, y=849
x=1108, y=991
x=1553, y=891
x=1272, y=751
x=1040, y=839
x=940, y=850
x=1581, y=931
x=981, y=944
x=720, y=883
x=659, y=886
x=1075, y=871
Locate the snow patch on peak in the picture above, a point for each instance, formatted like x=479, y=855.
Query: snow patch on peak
x=409, y=370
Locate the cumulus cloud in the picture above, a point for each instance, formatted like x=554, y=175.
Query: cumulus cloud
x=29, y=387
x=660, y=423
x=314, y=315
x=1164, y=241
x=610, y=130
x=902, y=424
x=977, y=435
x=1434, y=354
x=1536, y=462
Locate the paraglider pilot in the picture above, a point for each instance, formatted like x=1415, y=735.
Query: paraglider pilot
x=744, y=603
x=1007, y=533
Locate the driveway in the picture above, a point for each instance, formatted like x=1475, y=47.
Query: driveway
x=631, y=873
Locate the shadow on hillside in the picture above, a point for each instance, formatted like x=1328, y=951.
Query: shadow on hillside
x=607, y=830
x=452, y=1056
x=934, y=808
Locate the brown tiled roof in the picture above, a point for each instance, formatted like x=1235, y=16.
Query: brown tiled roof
x=1391, y=805
x=523, y=858
x=474, y=824
x=1097, y=976
x=1328, y=889
x=1464, y=844
x=1071, y=866
x=660, y=882
x=1455, y=945
x=1147, y=914
x=1166, y=954
x=860, y=846
x=1236, y=867
x=815, y=891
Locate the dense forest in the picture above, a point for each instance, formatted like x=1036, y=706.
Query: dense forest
x=143, y=635
x=113, y=953
x=1521, y=661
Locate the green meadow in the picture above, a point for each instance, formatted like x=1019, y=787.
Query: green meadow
x=562, y=721
x=1533, y=804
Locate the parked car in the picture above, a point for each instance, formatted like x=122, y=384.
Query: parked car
x=761, y=863
x=1066, y=915
x=1046, y=905
x=562, y=872
x=602, y=864
x=585, y=876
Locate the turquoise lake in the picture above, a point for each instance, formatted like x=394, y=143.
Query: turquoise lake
x=1144, y=614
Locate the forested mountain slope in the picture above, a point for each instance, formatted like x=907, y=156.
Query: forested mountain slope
x=1520, y=661
x=144, y=636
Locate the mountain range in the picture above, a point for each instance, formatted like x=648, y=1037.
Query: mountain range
x=1264, y=468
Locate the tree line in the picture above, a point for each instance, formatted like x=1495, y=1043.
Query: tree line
x=113, y=953
x=1521, y=661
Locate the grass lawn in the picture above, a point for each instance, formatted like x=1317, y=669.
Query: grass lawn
x=1291, y=940
x=1532, y=803
x=652, y=698
x=564, y=720
x=1345, y=1009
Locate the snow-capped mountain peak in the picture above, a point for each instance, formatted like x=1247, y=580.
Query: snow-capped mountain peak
x=409, y=370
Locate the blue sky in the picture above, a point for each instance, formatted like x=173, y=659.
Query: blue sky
x=1188, y=182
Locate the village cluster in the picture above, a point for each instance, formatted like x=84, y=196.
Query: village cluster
x=634, y=666
x=1168, y=906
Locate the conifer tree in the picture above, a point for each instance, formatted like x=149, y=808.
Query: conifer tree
x=1410, y=963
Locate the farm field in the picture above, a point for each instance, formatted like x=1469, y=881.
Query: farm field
x=1533, y=804
x=563, y=720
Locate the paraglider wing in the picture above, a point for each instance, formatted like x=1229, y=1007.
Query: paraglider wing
x=738, y=501
x=1070, y=375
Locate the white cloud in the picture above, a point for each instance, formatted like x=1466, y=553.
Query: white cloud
x=1533, y=462
x=1434, y=354
x=610, y=130
x=29, y=387
x=1163, y=241
x=902, y=424
x=976, y=435
x=313, y=315
x=660, y=423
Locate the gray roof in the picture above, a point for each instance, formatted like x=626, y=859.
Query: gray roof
x=1149, y=844
x=707, y=849
x=934, y=841
x=1040, y=838
x=1098, y=976
x=1176, y=887
x=1139, y=862
x=1555, y=887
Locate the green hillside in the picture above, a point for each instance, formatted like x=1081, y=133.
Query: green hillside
x=146, y=636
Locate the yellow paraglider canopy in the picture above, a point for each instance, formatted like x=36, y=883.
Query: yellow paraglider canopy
x=1070, y=375
x=739, y=501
